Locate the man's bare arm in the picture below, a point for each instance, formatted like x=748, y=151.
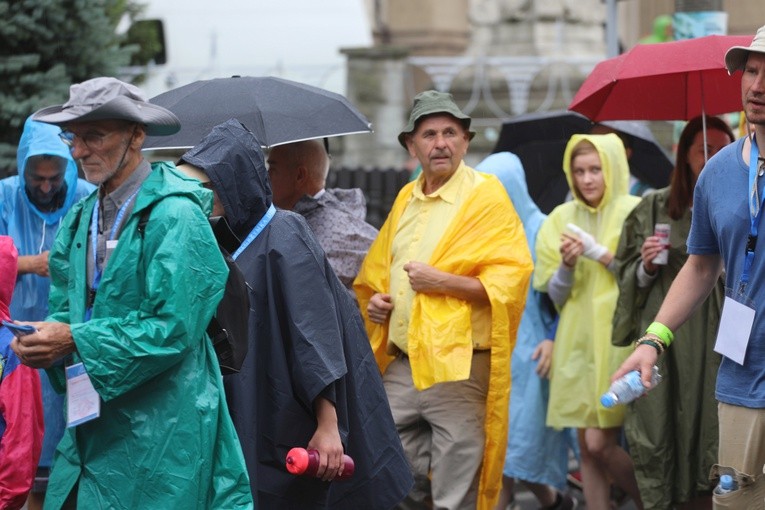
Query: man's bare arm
x=691, y=287
x=36, y=264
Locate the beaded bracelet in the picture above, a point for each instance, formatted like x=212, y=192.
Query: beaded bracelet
x=653, y=342
x=662, y=332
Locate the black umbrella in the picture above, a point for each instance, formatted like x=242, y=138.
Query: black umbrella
x=649, y=162
x=542, y=164
x=276, y=110
x=539, y=140
x=536, y=126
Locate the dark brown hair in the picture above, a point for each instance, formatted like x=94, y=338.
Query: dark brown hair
x=683, y=181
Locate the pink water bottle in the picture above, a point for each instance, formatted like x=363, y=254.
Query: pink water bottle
x=306, y=462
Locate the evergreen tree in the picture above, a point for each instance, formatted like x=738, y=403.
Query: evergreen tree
x=45, y=46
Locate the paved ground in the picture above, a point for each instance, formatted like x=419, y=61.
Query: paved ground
x=526, y=501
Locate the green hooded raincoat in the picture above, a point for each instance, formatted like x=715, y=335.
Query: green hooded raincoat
x=672, y=431
x=164, y=438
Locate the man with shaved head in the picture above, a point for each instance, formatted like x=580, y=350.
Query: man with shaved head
x=298, y=173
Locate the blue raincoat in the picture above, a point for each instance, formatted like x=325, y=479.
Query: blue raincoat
x=33, y=232
x=535, y=453
x=31, y=229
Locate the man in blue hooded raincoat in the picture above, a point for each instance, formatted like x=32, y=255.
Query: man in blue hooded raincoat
x=32, y=206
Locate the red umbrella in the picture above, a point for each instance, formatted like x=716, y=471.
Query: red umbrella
x=676, y=80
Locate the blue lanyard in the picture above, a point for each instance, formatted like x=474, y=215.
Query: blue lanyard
x=94, y=243
x=256, y=230
x=755, y=209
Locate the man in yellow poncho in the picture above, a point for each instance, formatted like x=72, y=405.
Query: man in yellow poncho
x=442, y=290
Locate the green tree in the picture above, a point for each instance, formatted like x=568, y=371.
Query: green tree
x=45, y=46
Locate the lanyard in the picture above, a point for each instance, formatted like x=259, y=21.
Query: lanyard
x=256, y=230
x=755, y=208
x=94, y=243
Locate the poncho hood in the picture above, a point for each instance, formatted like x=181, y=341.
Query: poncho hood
x=37, y=139
x=351, y=201
x=231, y=156
x=509, y=170
x=613, y=160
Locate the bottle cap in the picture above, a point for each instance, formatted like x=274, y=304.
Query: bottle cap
x=297, y=461
x=608, y=400
x=726, y=482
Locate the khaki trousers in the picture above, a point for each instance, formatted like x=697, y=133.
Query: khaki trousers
x=442, y=432
x=741, y=455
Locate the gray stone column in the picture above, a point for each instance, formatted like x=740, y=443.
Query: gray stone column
x=376, y=78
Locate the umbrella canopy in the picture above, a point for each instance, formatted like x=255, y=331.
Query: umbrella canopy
x=543, y=166
x=539, y=140
x=276, y=110
x=675, y=80
x=535, y=126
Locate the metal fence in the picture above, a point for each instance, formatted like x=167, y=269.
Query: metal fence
x=380, y=187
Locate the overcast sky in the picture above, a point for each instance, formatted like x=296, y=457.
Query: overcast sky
x=295, y=39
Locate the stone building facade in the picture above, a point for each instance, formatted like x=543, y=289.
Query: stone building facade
x=499, y=58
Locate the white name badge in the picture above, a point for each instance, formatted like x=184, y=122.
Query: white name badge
x=82, y=401
x=735, y=327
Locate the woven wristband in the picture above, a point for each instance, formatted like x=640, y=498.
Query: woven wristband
x=661, y=331
x=656, y=344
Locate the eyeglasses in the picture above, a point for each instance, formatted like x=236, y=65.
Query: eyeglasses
x=91, y=140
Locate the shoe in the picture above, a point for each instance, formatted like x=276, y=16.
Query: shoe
x=567, y=503
x=618, y=497
x=564, y=502
x=574, y=479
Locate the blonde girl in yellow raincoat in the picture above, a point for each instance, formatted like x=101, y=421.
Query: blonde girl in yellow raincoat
x=575, y=251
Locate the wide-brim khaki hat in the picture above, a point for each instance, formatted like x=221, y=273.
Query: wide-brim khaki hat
x=735, y=57
x=110, y=99
x=432, y=102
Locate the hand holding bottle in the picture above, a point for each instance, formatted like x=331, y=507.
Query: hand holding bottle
x=300, y=461
x=628, y=388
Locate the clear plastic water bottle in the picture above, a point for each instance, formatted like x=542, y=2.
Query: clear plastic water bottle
x=727, y=484
x=627, y=388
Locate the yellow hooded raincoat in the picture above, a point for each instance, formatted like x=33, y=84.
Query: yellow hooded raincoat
x=584, y=357
x=485, y=240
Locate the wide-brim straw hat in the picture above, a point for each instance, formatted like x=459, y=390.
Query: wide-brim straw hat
x=432, y=102
x=110, y=99
x=735, y=57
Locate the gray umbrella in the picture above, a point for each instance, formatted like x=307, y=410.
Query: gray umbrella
x=276, y=110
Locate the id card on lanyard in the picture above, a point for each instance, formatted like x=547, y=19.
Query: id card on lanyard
x=83, y=403
x=738, y=310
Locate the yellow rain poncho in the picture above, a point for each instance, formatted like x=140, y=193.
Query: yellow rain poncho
x=584, y=358
x=485, y=240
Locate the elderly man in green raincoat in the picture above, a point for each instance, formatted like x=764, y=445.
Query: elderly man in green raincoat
x=148, y=425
